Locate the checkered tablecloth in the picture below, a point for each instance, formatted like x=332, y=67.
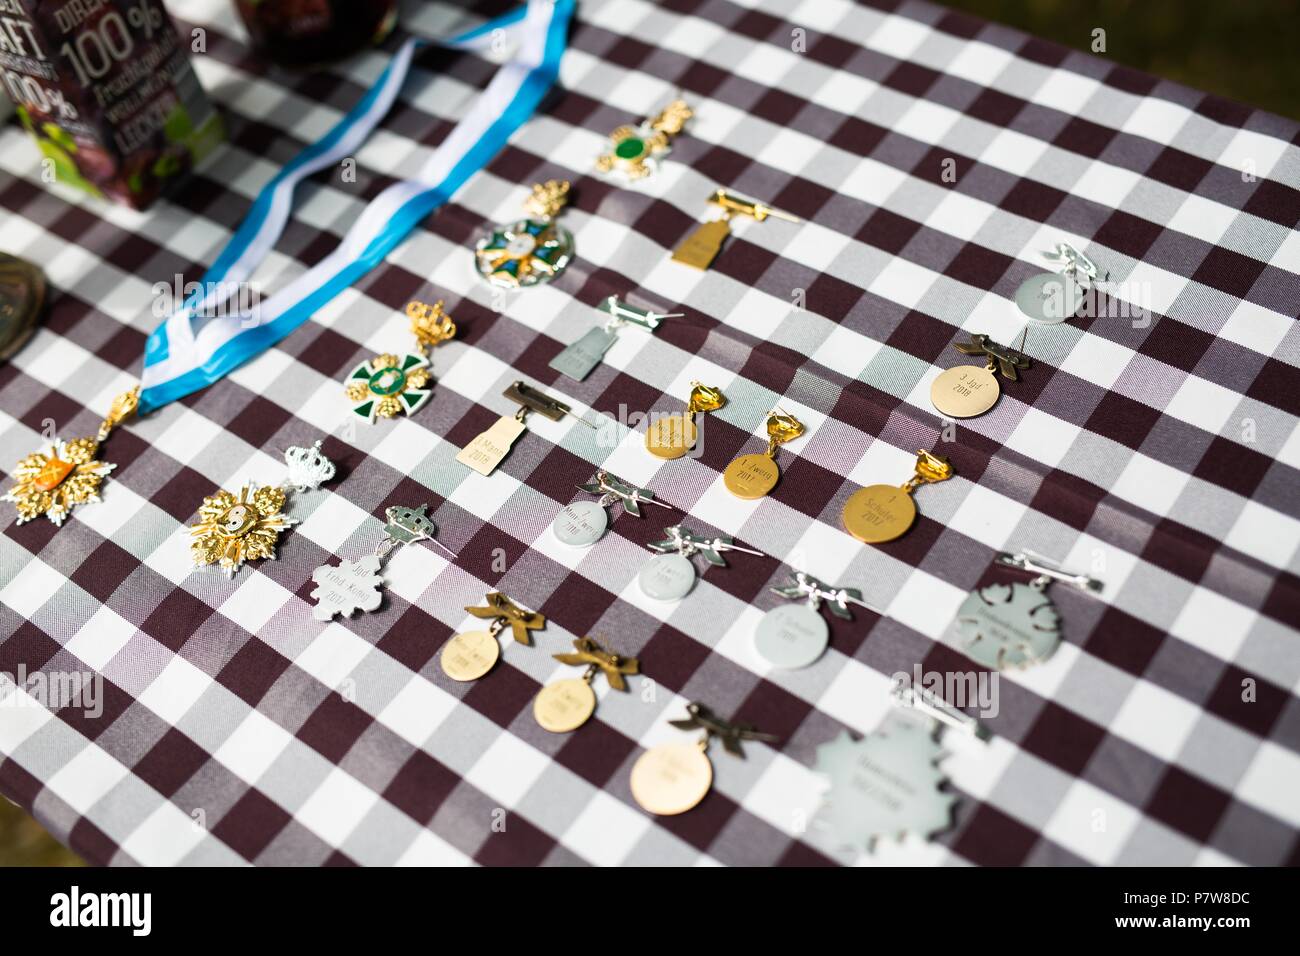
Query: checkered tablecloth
x=1159, y=455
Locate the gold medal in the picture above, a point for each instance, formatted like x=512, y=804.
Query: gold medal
x=701, y=247
x=880, y=513
x=969, y=390
x=753, y=476
x=66, y=474
x=672, y=778
x=471, y=654
x=965, y=391
x=672, y=436
x=566, y=705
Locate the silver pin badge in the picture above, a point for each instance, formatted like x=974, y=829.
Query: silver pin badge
x=1049, y=298
x=1014, y=625
x=670, y=574
x=579, y=359
x=355, y=585
x=582, y=523
x=794, y=635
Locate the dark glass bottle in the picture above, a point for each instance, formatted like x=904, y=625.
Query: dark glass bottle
x=299, y=33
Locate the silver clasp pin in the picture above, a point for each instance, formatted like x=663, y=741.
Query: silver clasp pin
x=1077, y=266
x=936, y=708
x=620, y=313
x=1048, y=570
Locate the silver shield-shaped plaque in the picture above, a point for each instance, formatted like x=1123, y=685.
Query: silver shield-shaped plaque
x=582, y=356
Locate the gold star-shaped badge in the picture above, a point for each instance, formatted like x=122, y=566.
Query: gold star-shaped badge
x=232, y=530
x=66, y=474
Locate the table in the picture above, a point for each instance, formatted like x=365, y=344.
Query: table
x=1159, y=455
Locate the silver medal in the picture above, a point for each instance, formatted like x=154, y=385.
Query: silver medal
x=885, y=785
x=1049, y=298
x=791, y=636
x=667, y=577
x=1009, y=625
x=581, y=524
x=347, y=587
x=1014, y=625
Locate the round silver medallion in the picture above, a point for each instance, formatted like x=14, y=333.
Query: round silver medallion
x=791, y=636
x=581, y=524
x=667, y=577
x=1049, y=298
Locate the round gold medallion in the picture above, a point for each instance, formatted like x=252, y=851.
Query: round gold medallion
x=751, y=476
x=965, y=391
x=671, y=436
x=879, y=513
x=671, y=778
x=564, y=705
x=470, y=655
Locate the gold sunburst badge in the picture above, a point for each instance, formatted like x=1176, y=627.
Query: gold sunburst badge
x=66, y=474
x=234, y=529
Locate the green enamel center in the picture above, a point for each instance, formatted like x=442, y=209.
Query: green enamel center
x=387, y=381
x=630, y=148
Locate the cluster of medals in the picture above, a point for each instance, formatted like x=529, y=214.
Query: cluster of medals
x=884, y=785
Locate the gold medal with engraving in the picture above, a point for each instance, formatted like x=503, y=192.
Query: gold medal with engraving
x=753, y=476
x=672, y=778
x=969, y=390
x=701, y=247
x=67, y=473
x=487, y=450
x=672, y=436
x=471, y=654
x=880, y=513
x=568, y=704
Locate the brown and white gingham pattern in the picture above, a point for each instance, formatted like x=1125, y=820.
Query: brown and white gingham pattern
x=1162, y=455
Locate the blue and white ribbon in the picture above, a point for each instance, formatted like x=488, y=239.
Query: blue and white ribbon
x=200, y=343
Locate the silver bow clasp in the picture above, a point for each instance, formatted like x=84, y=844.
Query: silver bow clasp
x=815, y=592
x=688, y=544
x=612, y=489
x=1076, y=265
